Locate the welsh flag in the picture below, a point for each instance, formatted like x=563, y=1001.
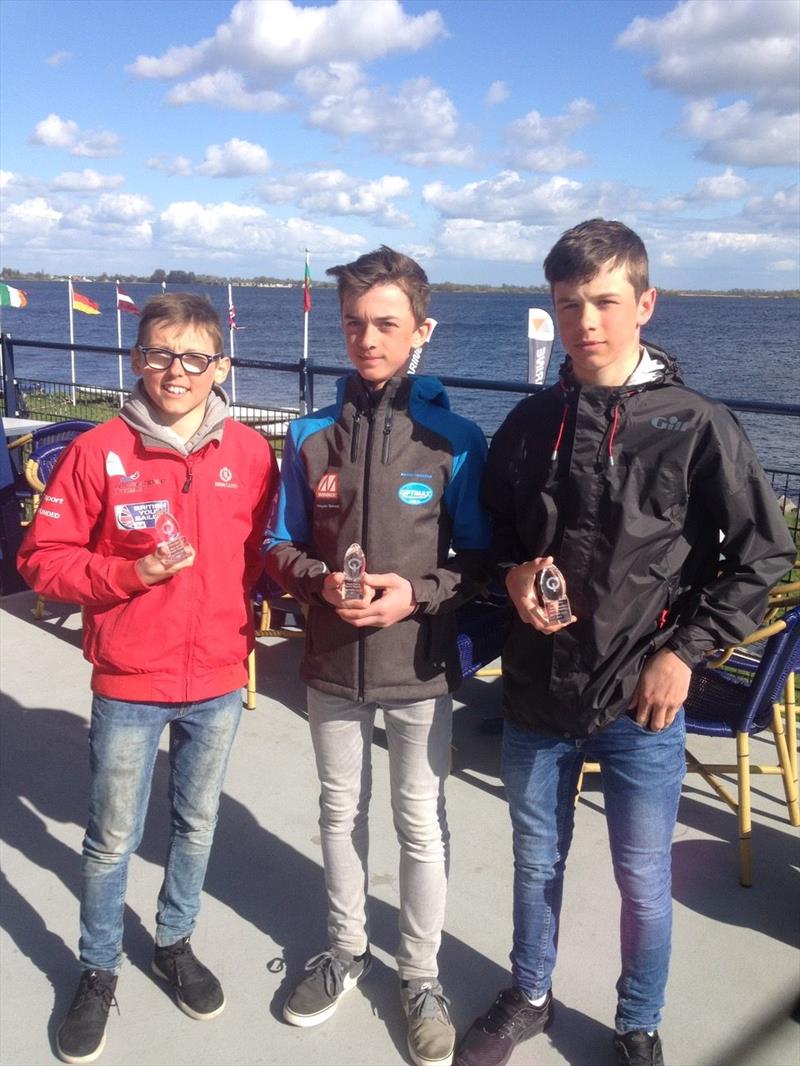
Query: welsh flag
x=11, y=297
x=125, y=303
x=307, y=288
x=84, y=303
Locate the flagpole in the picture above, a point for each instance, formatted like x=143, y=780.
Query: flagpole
x=119, y=344
x=304, y=373
x=232, y=331
x=71, y=339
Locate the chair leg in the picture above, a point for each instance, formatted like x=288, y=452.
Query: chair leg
x=745, y=825
x=789, y=781
x=250, y=702
x=791, y=726
x=38, y=610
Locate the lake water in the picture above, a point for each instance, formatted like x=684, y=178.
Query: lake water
x=729, y=348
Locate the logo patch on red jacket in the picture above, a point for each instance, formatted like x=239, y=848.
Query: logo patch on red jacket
x=327, y=487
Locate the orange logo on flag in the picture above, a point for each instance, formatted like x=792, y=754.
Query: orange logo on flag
x=328, y=487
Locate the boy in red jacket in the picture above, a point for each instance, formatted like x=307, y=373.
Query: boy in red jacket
x=152, y=522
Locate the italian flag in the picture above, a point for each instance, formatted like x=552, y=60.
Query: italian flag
x=307, y=288
x=83, y=303
x=11, y=297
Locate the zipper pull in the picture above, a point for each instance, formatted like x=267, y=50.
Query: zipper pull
x=188, y=482
x=354, y=435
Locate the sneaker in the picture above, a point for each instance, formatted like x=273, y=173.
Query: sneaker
x=197, y=991
x=431, y=1034
x=638, y=1048
x=330, y=976
x=82, y=1035
x=511, y=1019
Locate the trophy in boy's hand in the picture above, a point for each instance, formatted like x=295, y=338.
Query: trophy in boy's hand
x=551, y=592
x=168, y=533
x=354, y=566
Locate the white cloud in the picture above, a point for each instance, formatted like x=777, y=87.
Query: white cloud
x=226, y=90
x=58, y=58
x=751, y=47
x=716, y=187
x=234, y=159
x=180, y=164
x=497, y=93
x=742, y=134
x=55, y=132
x=34, y=216
x=509, y=197
x=699, y=245
x=86, y=180
x=539, y=143
x=228, y=229
x=508, y=242
x=780, y=210
x=332, y=192
x=264, y=41
x=784, y=265
x=123, y=207
x=423, y=130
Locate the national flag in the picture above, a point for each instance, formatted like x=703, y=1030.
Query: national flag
x=125, y=303
x=306, y=288
x=11, y=297
x=232, y=317
x=83, y=303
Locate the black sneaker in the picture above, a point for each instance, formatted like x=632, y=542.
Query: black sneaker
x=82, y=1035
x=331, y=975
x=510, y=1019
x=638, y=1048
x=198, y=992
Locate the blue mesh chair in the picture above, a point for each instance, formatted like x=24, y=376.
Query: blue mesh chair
x=720, y=704
x=482, y=628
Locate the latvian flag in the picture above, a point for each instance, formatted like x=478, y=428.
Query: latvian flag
x=83, y=303
x=11, y=297
x=232, y=317
x=125, y=303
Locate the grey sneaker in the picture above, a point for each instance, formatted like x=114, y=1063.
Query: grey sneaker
x=431, y=1034
x=197, y=991
x=82, y=1035
x=638, y=1048
x=331, y=975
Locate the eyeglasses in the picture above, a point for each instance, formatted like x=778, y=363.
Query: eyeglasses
x=163, y=358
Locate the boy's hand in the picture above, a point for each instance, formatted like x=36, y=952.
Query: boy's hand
x=157, y=566
x=519, y=584
x=662, y=687
x=395, y=602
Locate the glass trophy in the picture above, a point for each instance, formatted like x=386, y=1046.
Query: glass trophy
x=551, y=591
x=168, y=533
x=354, y=566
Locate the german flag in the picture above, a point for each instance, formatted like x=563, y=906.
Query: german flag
x=83, y=303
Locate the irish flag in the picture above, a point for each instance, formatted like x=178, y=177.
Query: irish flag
x=83, y=303
x=125, y=303
x=11, y=297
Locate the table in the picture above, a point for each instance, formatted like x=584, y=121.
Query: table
x=18, y=427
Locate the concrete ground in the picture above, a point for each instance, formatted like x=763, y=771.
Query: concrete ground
x=735, y=963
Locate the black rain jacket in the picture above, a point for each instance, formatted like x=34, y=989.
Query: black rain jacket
x=654, y=506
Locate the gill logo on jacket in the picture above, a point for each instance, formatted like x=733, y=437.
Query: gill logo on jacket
x=414, y=493
x=659, y=422
x=115, y=468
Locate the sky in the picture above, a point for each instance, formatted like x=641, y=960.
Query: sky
x=227, y=138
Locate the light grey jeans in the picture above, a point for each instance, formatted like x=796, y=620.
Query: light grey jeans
x=419, y=736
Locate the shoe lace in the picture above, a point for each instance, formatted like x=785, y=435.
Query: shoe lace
x=331, y=970
x=429, y=1001
x=188, y=967
x=93, y=986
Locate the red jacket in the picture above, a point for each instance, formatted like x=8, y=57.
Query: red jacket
x=187, y=638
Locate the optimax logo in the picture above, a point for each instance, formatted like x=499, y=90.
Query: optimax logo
x=414, y=493
x=669, y=423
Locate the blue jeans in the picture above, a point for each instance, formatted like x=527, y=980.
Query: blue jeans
x=642, y=774
x=123, y=744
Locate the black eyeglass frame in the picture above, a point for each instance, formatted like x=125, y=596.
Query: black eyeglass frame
x=146, y=349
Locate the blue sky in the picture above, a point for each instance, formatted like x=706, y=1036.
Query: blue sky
x=226, y=138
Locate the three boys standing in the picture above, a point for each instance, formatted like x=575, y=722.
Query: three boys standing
x=623, y=476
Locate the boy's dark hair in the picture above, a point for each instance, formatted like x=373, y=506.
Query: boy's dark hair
x=581, y=252
x=385, y=266
x=181, y=309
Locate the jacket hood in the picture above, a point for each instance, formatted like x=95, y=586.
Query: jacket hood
x=407, y=386
x=655, y=367
x=141, y=414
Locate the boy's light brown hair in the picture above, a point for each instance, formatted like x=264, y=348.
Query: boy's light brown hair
x=385, y=266
x=181, y=309
x=581, y=252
